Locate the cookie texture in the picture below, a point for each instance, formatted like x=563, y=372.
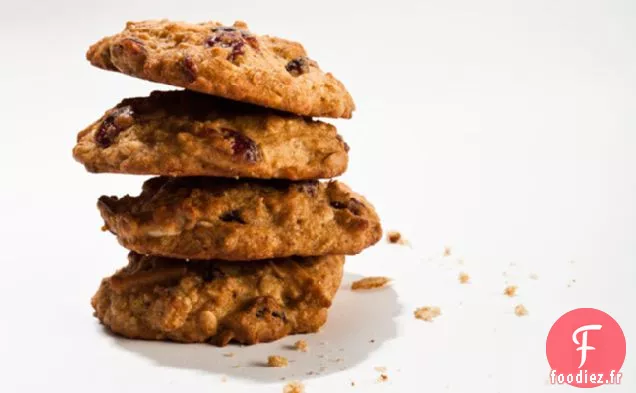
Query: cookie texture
x=215, y=218
x=183, y=133
x=227, y=61
x=158, y=298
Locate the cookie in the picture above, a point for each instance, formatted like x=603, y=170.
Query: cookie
x=156, y=298
x=215, y=218
x=227, y=61
x=183, y=133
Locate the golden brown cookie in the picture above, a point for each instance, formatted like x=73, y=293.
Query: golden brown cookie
x=215, y=218
x=227, y=61
x=183, y=133
x=157, y=298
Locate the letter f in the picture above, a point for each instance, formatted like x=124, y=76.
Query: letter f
x=584, y=347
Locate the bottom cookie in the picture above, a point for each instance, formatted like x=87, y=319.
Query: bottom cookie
x=158, y=298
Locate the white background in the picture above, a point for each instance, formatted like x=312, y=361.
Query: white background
x=503, y=129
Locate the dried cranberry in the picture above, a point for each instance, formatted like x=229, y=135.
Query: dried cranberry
x=118, y=120
x=298, y=66
x=242, y=146
x=232, y=216
x=237, y=50
x=224, y=38
x=190, y=69
x=231, y=37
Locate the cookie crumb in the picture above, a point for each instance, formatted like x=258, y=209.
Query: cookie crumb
x=534, y=276
x=447, y=251
x=294, y=387
x=395, y=237
x=383, y=378
x=104, y=228
x=223, y=379
x=380, y=369
x=229, y=354
x=427, y=313
x=301, y=345
x=464, y=278
x=510, y=290
x=277, y=361
x=521, y=310
x=370, y=283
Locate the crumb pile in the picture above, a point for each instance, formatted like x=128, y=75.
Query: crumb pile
x=236, y=238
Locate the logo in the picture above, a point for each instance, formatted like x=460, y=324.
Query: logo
x=586, y=348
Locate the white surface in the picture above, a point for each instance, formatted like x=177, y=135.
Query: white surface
x=504, y=129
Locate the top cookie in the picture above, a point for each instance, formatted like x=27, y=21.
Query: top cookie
x=225, y=61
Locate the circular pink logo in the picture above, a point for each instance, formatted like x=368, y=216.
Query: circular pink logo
x=586, y=348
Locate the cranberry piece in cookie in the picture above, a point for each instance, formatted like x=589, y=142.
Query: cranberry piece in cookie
x=242, y=146
x=224, y=37
x=190, y=69
x=299, y=65
x=118, y=120
x=232, y=38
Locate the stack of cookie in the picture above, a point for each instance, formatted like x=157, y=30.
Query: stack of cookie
x=236, y=239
